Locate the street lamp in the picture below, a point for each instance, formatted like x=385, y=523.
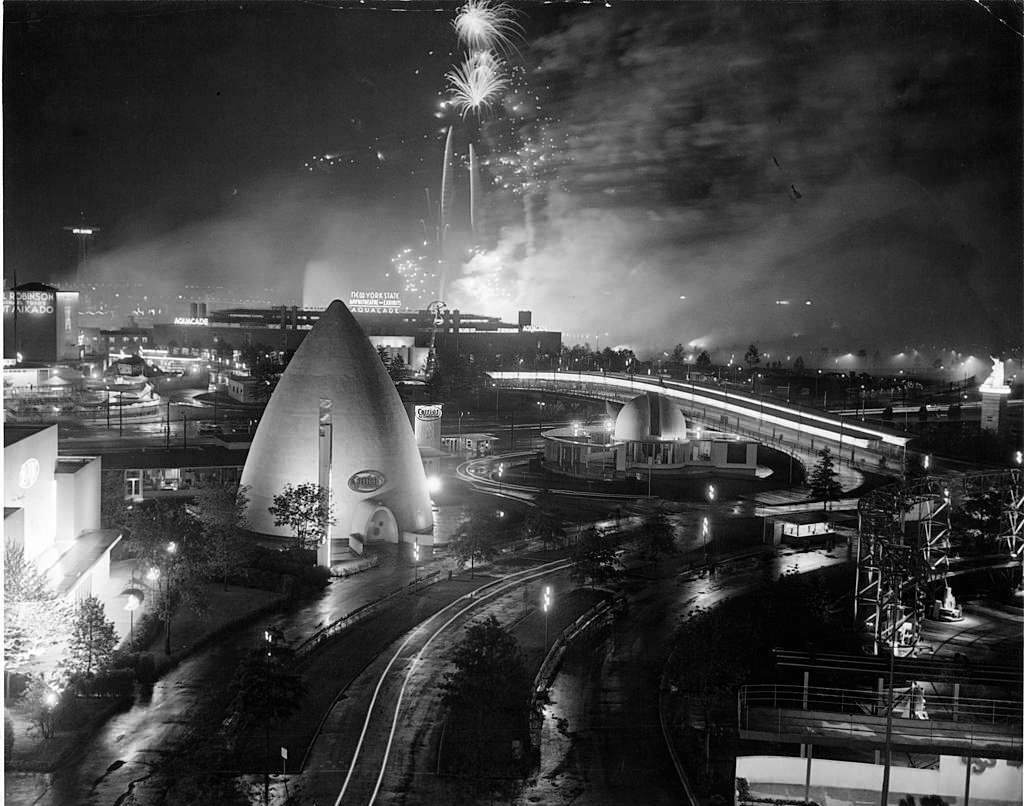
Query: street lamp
x=706, y=525
x=546, y=605
x=134, y=600
x=540, y=408
x=501, y=472
x=268, y=637
x=416, y=557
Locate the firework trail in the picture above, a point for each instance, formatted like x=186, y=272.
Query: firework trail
x=445, y=207
x=485, y=25
x=474, y=181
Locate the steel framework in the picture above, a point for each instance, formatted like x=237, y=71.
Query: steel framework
x=908, y=541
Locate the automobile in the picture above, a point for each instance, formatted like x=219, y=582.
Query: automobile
x=209, y=430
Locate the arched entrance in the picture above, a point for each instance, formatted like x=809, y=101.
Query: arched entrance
x=381, y=526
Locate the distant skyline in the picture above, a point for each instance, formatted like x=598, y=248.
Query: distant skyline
x=659, y=172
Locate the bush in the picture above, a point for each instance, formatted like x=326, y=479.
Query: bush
x=146, y=631
x=8, y=739
x=113, y=683
x=316, y=577
x=145, y=669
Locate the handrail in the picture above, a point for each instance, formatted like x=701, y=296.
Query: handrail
x=872, y=703
x=339, y=624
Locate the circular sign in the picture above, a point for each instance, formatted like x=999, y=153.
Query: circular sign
x=366, y=481
x=28, y=474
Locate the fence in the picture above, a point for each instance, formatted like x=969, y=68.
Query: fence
x=310, y=645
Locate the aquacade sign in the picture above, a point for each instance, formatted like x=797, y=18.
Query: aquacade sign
x=202, y=321
x=375, y=301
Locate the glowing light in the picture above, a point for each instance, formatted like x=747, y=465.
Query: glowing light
x=485, y=24
x=476, y=83
x=433, y=483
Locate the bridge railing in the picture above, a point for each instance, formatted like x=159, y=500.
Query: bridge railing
x=908, y=703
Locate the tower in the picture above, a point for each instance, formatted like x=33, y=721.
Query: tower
x=335, y=419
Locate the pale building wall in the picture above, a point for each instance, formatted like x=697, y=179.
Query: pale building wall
x=78, y=495
x=29, y=483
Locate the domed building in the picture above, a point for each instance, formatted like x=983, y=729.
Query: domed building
x=648, y=435
x=336, y=419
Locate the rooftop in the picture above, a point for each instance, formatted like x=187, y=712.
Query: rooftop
x=16, y=433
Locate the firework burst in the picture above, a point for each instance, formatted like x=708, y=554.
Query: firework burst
x=486, y=25
x=476, y=83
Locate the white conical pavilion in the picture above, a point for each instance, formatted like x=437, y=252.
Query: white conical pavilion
x=336, y=419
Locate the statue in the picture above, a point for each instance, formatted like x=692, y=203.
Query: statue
x=996, y=380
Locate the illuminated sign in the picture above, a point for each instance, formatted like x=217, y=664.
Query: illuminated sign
x=428, y=413
x=32, y=302
x=375, y=301
x=201, y=321
x=366, y=481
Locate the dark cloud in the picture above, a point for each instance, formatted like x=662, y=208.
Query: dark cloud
x=865, y=157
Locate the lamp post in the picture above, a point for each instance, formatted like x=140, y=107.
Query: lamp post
x=706, y=525
x=501, y=472
x=546, y=605
x=134, y=600
x=268, y=637
x=416, y=558
x=172, y=550
x=540, y=408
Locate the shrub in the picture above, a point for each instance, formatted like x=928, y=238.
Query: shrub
x=147, y=629
x=8, y=739
x=113, y=683
x=145, y=668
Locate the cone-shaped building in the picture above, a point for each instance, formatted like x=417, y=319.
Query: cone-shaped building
x=335, y=419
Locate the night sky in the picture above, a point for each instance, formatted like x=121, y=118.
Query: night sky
x=863, y=156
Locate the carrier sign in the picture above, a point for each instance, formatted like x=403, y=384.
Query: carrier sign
x=366, y=481
x=428, y=414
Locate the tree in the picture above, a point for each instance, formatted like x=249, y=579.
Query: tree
x=168, y=541
x=475, y=538
x=397, y=368
x=93, y=639
x=34, y=617
x=678, y=354
x=752, y=356
x=543, y=521
x=823, y=478
x=307, y=510
x=704, y=361
x=44, y=706
x=114, y=510
x=593, y=559
x=657, y=535
x=798, y=365
x=714, y=661
x=221, y=515
x=266, y=689
x=489, y=698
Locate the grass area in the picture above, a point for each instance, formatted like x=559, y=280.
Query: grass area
x=226, y=607
x=32, y=753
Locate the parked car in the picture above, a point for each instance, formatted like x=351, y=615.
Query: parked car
x=210, y=430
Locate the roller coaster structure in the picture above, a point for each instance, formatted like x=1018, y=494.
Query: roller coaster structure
x=911, y=538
